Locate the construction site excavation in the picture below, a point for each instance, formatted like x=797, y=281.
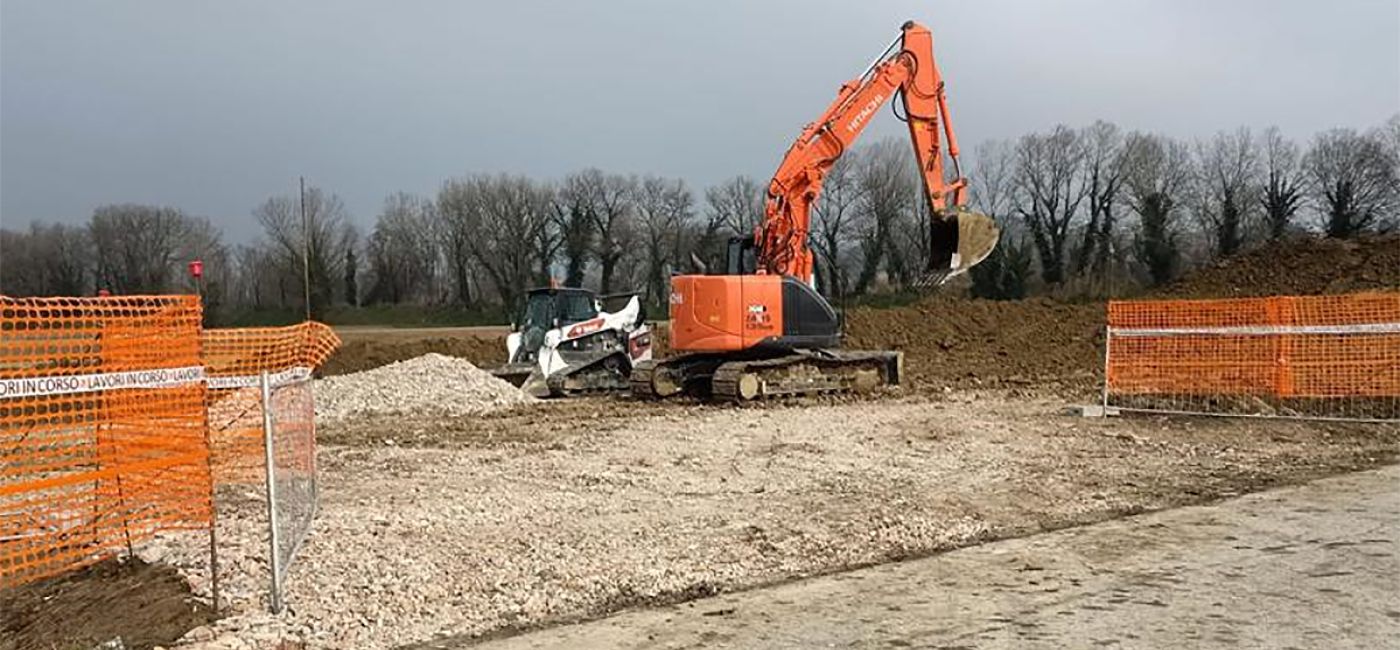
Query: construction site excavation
x=1089, y=387
x=454, y=506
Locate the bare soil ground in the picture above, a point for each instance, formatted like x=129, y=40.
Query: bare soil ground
x=1298, y=267
x=455, y=529
x=144, y=604
x=366, y=348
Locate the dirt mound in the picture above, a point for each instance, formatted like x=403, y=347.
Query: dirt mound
x=956, y=342
x=146, y=605
x=359, y=354
x=1304, y=266
x=431, y=384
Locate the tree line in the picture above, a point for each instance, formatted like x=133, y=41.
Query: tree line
x=1094, y=210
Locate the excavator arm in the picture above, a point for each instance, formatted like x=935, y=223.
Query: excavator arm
x=958, y=238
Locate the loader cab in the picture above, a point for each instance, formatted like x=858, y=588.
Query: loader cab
x=548, y=308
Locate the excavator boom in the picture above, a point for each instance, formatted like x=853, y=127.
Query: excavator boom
x=907, y=69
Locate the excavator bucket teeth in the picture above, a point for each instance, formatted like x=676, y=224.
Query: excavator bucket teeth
x=960, y=239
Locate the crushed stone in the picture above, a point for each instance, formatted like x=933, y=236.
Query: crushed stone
x=432, y=384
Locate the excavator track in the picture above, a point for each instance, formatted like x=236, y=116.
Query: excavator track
x=803, y=372
x=641, y=380
x=807, y=373
x=663, y=378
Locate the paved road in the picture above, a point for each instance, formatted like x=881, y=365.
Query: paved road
x=1314, y=566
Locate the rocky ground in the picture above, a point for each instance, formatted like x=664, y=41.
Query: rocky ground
x=454, y=528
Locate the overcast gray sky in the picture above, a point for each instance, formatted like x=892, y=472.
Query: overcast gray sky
x=214, y=106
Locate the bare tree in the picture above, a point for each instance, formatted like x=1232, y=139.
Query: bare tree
x=832, y=224
x=260, y=282
x=66, y=252
x=1157, y=172
x=664, y=210
x=1389, y=136
x=575, y=221
x=1389, y=133
x=1103, y=171
x=1049, y=176
x=204, y=242
x=1281, y=193
x=734, y=208
x=503, y=215
x=352, y=277
x=18, y=272
x=1225, y=189
x=611, y=203
x=137, y=247
x=1353, y=181
x=738, y=204
x=546, y=236
x=888, y=191
x=402, y=249
x=322, y=236
x=992, y=191
x=455, y=224
x=48, y=260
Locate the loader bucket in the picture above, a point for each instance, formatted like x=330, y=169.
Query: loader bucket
x=525, y=376
x=515, y=373
x=959, y=239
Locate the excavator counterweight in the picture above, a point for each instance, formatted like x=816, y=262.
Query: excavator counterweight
x=765, y=331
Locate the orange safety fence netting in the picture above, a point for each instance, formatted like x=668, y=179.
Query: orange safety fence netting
x=1288, y=348
x=234, y=360
x=102, y=428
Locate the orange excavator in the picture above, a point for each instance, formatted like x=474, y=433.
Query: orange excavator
x=760, y=329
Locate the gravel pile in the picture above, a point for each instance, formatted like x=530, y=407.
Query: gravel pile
x=433, y=384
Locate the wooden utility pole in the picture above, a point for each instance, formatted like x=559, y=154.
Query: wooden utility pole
x=305, y=248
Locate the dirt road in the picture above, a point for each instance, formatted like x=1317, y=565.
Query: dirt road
x=1314, y=566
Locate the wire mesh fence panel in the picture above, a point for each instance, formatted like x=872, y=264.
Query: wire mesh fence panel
x=1335, y=357
x=102, y=429
x=234, y=360
x=291, y=474
x=276, y=445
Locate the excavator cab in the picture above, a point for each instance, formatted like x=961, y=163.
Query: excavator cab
x=741, y=256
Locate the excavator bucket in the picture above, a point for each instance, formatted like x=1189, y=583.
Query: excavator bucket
x=960, y=239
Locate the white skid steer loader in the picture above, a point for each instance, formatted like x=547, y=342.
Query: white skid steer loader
x=565, y=343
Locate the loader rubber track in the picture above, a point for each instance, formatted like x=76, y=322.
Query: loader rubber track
x=601, y=375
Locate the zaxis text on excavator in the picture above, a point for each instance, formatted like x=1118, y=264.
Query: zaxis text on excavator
x=760, y=329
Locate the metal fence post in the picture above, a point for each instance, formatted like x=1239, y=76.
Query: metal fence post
x=274, y=558
x=1107, y=345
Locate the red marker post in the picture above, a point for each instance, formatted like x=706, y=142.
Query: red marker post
x=197, y=272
